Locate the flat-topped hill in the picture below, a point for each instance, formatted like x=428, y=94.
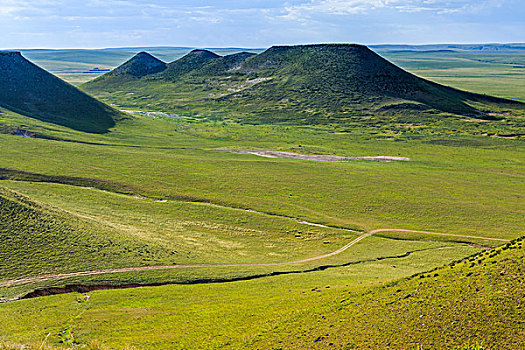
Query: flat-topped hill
x=344, y=75
x=30, y=90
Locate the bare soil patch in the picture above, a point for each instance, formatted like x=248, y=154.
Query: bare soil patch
x=314, y=157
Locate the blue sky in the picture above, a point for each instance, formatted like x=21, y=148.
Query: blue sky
x=256, y=23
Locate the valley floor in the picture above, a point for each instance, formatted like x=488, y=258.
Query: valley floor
x=151, y=202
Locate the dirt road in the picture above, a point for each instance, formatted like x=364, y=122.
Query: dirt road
x=14, y=282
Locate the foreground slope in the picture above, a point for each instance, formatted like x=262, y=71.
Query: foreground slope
x=325, y=310
x=307, y=84
x=29, y=90
x=478, y=300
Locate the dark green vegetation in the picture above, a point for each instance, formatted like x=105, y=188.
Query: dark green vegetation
x=149, y=193
x=313, y=84
x=29, y=90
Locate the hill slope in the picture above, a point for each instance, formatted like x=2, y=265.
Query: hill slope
x=308, y=84
x=29, y=90
x=39, y=239
x=342, y=75
x=479, y=300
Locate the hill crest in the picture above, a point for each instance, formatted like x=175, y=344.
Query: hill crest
x=140, y=65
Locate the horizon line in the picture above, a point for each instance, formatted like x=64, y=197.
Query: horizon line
x=253, y=48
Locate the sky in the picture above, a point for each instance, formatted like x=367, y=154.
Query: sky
x=256, y=23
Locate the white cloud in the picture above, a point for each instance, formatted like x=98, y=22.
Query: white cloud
x=96, y=23
x=308, y=10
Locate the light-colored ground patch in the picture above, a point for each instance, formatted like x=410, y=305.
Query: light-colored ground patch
x=156, y=114
x=315, y=157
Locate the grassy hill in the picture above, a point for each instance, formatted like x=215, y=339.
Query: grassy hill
x=139, y=65
x=475, y=303
x=29, y=90
x=190, y=62
x=335, y=78
x=309, y=84
x=72, y=65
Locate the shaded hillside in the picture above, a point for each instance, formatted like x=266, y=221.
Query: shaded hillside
x=479, y=300
x=29, y=90
x=308, y=84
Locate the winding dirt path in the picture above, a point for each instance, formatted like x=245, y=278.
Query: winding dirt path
x=14, y=282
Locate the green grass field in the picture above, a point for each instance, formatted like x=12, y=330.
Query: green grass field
x=497, y=74
x=149, y=193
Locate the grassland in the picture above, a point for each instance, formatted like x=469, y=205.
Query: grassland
x=373, y=191
x=458, y=184
x=149, y=193
x=496, y=74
